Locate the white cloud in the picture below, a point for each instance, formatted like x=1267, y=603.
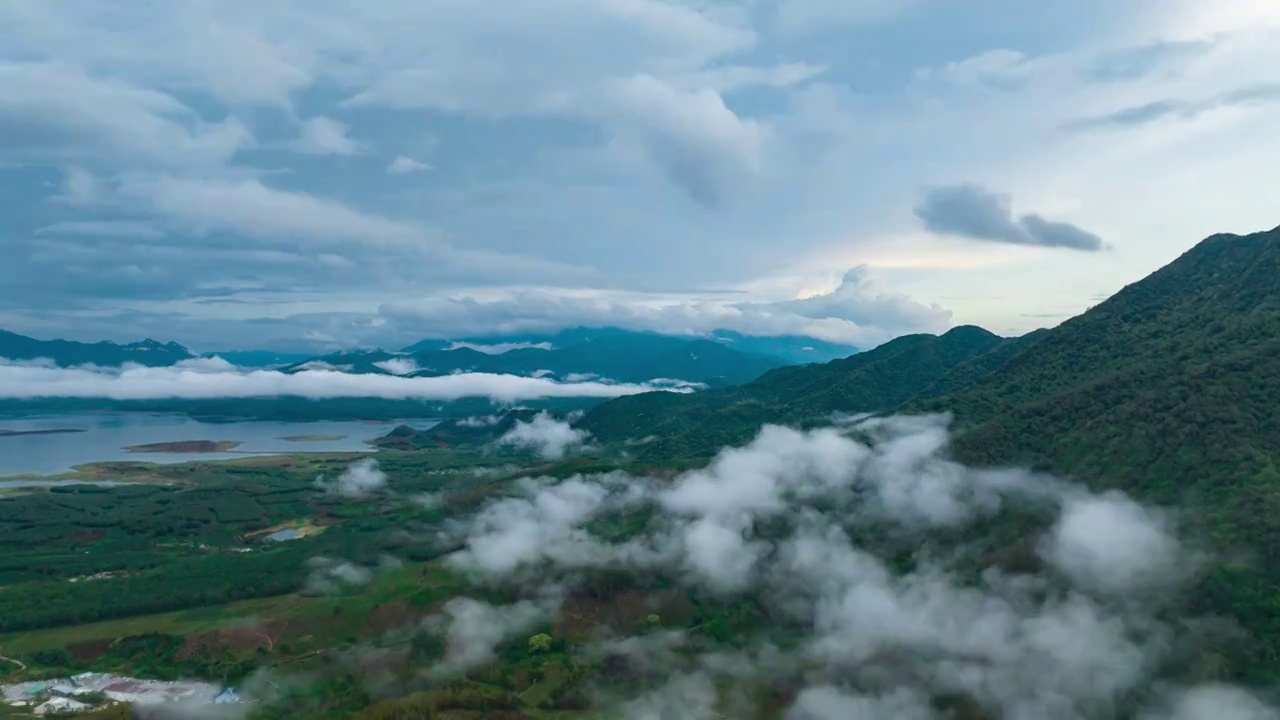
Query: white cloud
x=474, y=629
x=329, y=576
x=499, y=348
x=19, y=381
x=398, y=366
x=1015, y=644
x=859, y=311
x=1113, y=544
x=549, y=437
x=325, y=136
x=251, y=208
x=692, y=136
x=55, y=107
x=361, y=479
x=403, y=165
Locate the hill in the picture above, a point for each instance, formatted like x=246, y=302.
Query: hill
x=1168, y=391
x=878, y=380
x=67, y=353
x=617, y=355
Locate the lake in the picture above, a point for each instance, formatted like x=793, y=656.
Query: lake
x=27, y=448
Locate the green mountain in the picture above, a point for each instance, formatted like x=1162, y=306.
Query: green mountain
x=1169, y=390
x=108, y=354
x=617, y=355
x=878, y=380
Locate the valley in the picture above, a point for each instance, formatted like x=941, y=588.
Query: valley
x=958, y=525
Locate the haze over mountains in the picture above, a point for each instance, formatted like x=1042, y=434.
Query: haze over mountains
x=722, y=358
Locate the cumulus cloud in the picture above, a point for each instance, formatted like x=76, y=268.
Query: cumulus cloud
x=209, y=381
x=972, y=211
x=549, y=437
x=361, y=479
x=814, y=528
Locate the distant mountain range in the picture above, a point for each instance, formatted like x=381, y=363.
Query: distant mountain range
x=581, y=354
x=107, y=354
x=720, y=359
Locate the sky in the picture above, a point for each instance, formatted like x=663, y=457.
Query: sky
x=320, y=174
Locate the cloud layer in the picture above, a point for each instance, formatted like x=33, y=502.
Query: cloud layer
x=862, y=549
x=205, y=381
x=190, y=171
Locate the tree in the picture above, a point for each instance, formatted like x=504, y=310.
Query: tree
x=539, y=643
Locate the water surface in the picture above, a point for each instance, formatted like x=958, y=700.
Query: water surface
x=106, y=435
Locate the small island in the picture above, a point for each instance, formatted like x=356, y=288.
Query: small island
x=50, y=431
x=186, y=446
x=313, y=438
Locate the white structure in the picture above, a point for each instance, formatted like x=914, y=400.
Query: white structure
x=60, y=706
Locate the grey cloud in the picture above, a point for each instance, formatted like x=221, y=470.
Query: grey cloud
x=972, y=211
x=1182, y=109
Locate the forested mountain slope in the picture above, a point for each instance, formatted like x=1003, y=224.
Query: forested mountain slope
x=108, y=354
x=877, y=380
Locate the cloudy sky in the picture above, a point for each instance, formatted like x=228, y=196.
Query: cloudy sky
x=327, y=172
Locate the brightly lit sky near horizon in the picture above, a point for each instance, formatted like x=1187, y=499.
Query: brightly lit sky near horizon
x=309, y=174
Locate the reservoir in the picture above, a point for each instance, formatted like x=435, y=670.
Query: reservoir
x=42, y=445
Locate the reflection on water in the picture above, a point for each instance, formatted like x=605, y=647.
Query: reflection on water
x=108, y=434
x=286, y=534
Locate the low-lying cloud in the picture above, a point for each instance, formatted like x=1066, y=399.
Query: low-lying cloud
x=545, y=435
x=882, y=568
x=221, y=380
x=361, y=479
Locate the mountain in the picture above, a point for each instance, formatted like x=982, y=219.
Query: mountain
x=108, y=354
x=259, y=358
x=579, y=354
x=878, y=380
x=1168, y=391
x=793, y=349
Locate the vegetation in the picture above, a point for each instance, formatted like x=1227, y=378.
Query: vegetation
x=67, y=352
x=1168, y=391
x=669, y=425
